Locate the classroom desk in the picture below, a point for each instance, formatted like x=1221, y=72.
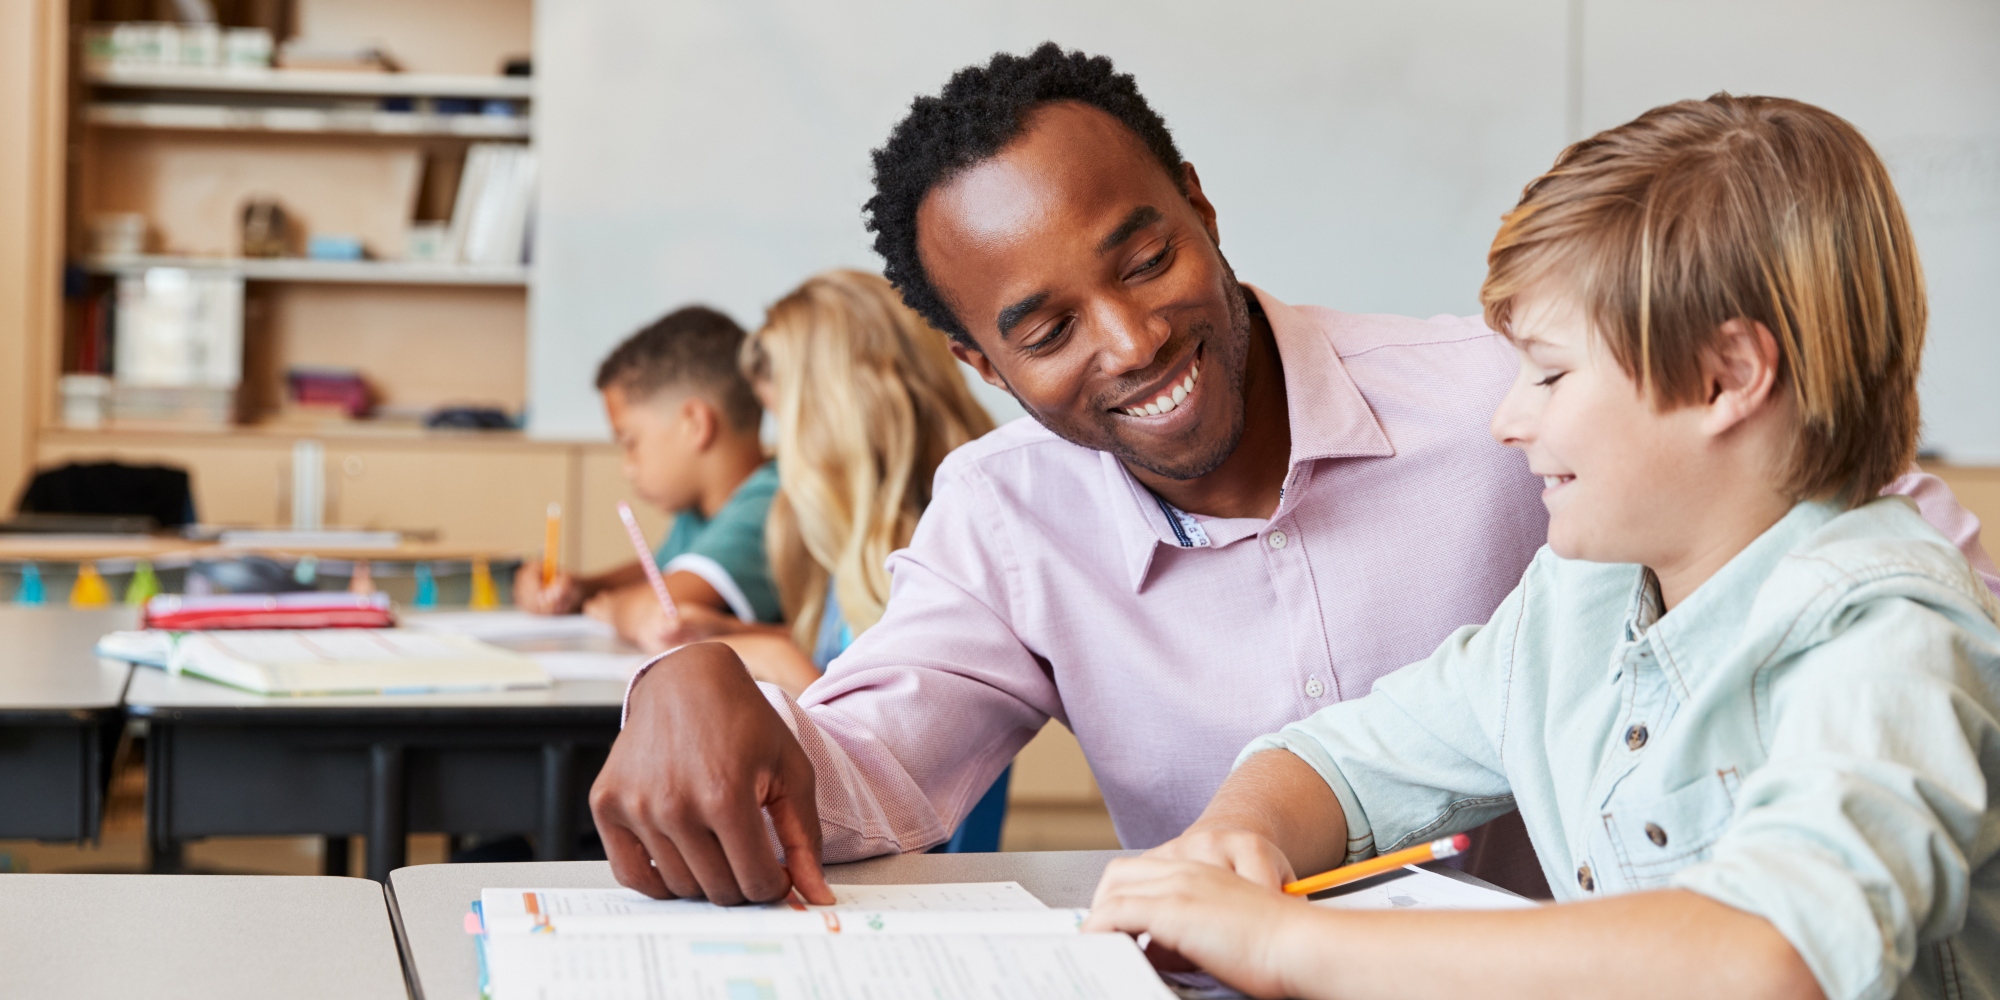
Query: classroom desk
x=59, y=719
x=224, y=762
x=429, y=902
x=214, y=937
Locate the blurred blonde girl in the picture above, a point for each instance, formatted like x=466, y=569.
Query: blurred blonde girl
x=867, y=402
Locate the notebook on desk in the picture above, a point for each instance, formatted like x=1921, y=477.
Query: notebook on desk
x=879, y=941
x=330, y=661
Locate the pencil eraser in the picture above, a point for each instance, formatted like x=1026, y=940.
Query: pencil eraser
x=1460, y=842
x=472, y=925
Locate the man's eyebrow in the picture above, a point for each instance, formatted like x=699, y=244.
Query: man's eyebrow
x=1012, y=316
x=1140, y=218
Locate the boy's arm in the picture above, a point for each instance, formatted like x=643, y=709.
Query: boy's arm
x=1416, y=758
x=1656, y=944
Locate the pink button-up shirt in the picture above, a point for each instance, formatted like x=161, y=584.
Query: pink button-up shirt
x=1044, y=581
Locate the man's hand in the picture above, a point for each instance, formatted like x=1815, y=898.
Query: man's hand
x=1247, y=853
x=681, y=800
x=1231, y=929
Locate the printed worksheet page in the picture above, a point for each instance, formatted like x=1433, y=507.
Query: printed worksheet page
x=821, y=967
x=944, y=908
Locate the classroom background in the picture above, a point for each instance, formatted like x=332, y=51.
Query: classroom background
x=351, y=264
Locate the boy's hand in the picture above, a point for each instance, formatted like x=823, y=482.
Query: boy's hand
x=562, y=597
x=1235, y=931
x=1245, y=853
x=682, y=798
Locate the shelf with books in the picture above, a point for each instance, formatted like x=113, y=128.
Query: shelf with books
x=298, y=81
x=234, y=118
x=375, y=272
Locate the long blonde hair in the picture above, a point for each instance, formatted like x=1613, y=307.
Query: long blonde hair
x=868, y=401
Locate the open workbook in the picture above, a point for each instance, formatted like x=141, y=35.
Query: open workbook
x=880, y=942
x=330, y=660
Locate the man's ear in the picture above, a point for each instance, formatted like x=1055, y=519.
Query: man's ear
x=1199, y=200
x=1739, y=375
x=980, y=363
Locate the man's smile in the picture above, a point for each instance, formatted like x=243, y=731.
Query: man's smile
x=1167, y=394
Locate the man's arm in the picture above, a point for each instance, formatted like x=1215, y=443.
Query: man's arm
x=900, y=738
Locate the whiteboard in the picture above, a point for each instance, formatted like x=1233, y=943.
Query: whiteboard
x=1359, y=154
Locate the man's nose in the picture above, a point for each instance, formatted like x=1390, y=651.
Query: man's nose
x=1133, y=335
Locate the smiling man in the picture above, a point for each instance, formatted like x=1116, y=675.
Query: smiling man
x=1227, y=513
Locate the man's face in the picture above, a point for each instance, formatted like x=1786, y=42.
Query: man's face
x=1095, y=291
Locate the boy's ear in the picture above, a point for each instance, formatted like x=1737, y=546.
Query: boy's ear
x=702, y=421
x=980, y=363
x=1739, y=374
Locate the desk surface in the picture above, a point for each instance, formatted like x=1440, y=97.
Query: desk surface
x=216, y=937
x=153, y=691
x=46, y=662
x=431, y=901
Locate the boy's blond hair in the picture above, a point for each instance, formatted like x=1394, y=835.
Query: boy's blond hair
x=1754, y=208
x=868, y=401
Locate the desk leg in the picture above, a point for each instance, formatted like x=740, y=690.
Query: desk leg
x=557, y=839
x=388, y=826
x=334, y=852
x=164, y=851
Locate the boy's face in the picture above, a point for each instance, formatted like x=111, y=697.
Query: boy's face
x=660, y=445
x=1619, y=476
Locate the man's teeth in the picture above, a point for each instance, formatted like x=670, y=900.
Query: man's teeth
x=1167, y=400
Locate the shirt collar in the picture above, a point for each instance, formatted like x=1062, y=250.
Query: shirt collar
x=1330, y=418
x=1708, y=623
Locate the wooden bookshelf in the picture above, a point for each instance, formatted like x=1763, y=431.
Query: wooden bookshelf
x=361, y=154
x=293, y=81
x=361, y=272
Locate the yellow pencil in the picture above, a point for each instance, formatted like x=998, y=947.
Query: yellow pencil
x=1443, y=848
x=552, y=546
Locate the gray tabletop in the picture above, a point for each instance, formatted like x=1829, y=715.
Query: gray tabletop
x=152, y=688
x=46, y=661
x=430, y=901
x=216, y=937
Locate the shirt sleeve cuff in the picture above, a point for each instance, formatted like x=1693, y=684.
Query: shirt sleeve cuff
x=625, y=709
x=1360, y=835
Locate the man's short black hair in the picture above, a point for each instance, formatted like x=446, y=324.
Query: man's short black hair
x=981, y=110
x=692, y=346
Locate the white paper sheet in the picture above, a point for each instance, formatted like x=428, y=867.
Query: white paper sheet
x=581, y=666
x=500, y=626
x=943, y=908
x=823, y=967
x=1418, y=888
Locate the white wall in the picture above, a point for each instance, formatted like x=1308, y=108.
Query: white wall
x=1359, y=153
x=1920, y=77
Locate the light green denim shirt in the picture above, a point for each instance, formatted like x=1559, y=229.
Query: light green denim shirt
x=1810, y=736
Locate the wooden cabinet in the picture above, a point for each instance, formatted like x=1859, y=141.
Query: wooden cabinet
x=597, y=540
x=237, y=481
x=492, y=496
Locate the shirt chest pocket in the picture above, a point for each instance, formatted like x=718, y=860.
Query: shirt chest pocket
x=1652, y=839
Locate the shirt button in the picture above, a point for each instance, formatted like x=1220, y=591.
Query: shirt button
x=1277, y=539
x=1584, y=879
x=1314, y=688
x=1656, y=835
x=1635, y=737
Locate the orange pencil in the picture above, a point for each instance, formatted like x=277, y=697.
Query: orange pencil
x=1419, y=854
x=552, y=546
